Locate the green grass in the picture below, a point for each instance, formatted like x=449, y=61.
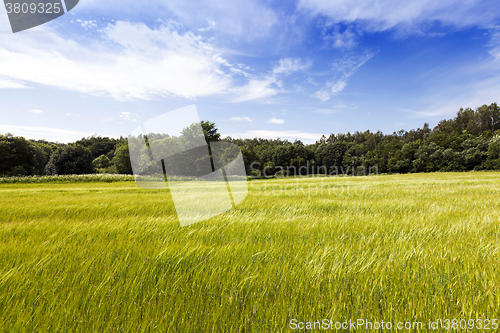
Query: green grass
x=111, y=257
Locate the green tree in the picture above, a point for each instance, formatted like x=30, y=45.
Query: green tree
x=121, y=160
x=98, y=145
x=493, y=160
x=20, y=157
x=250, y=159
x=330, y=154
x=210, y=131
x=72, y=159
x=101, y=162
x=475, y=153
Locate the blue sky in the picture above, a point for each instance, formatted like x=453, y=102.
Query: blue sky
x=288, y=69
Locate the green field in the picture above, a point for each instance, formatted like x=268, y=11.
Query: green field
x=111, y=257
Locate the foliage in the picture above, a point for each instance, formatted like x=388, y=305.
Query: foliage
x=467, y=142
x=121, y=160
x=19, y=156
x=210, y=131
x=101, y=162
x=72, y=159
x=100, y=145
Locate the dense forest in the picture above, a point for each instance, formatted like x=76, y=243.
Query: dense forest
x=470, y=141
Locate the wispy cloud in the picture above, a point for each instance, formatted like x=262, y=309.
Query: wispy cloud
x=242, y=119
x=471, y=85
x=47, y=133
x=343, y=70
x=310, y=80
x=257, y=89
x=495, y=45
x=333, y=109
x=36, y=111
x=410, y=16
x=250, y=19
x=290, y=65
x=136, y=63
x=276, y=121
x=470, y=94
x=129, y=116
x=87, y=24
x=211, y=25
x=10, y=84
x=341, y=40
x=272, y=84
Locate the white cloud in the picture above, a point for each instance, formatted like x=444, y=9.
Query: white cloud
x=276, y=121
x=338, y=86
x=453, y=87
x=211, y=25
x=234, y=18
x=270, y=85
x=343, y=69
x=288, y=135
x=495, y=52
x=495, y=45
x=251, y=19
x=87, y=24
x=136, y=63
x=324, y=94
x=242, y=119
x=132, y=62
x=351, y=64
x=47, y=133
x=462, y=91
x=257, y=89
x=289, y=65
x=333, y=109
x=36, y=111
x=484, y=93
x=238, y=69
x=10, y=84
x=380, y=15
x=342, y=40
x=129, y=116
x=310, y=80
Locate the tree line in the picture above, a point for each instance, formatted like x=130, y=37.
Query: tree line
x=470, y=141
